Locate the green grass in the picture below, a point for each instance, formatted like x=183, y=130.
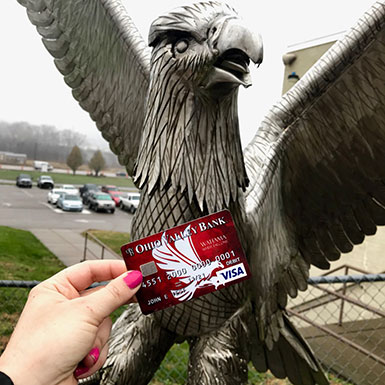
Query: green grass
x=113, y=239
x=22, y=257
x=68, y=178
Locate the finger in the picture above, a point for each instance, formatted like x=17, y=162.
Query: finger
x=83, y=275
x=86, y=372
x=101, y=339
x=117, y=293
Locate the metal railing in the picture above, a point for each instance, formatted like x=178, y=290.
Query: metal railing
x=103, y=246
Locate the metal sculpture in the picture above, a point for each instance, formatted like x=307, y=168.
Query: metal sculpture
x=309, y=186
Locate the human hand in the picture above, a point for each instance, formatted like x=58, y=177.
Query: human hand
x=63, y=324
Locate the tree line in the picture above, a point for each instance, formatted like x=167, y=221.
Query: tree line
x=75, y=160
x=46, y=142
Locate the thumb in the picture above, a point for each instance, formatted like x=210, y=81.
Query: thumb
x=117, y=293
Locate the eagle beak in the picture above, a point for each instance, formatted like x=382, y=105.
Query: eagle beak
x=236, y=45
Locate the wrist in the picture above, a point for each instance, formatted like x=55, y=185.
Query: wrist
x=19, y=375
x=5, y=379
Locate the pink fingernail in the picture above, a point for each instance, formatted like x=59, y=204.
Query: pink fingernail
x=80, y=370
x=133, y=279
x=94, y=354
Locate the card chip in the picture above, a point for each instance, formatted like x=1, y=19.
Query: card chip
x=148, y=269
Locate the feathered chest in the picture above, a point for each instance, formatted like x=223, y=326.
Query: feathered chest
x=190, y=164
x=163, y=209
x=193, y=145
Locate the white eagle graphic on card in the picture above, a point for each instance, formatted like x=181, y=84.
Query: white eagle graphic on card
x=180, y=259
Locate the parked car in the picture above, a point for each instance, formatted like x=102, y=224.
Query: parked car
x=70, y=202
x=24, y=180
x=107, y=189
x=87, y=188
x=70, y=189
x=45, y=181
x=100, y=201
x=129, y=201
x=115, y=195
x=54, y=195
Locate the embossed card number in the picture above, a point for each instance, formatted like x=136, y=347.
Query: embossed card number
x=187, y=261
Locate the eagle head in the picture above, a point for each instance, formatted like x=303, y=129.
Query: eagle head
x=191, y=142
x=209, y=46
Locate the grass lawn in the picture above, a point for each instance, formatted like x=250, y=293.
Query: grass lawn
x=68, y=178
x=22, y=257
x=113, y=239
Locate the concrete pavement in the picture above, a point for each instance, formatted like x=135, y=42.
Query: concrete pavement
x=68, y=245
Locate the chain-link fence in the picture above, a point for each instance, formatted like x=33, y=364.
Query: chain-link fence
x=342, y=318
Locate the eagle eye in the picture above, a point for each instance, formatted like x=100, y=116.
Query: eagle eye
x=181, y=45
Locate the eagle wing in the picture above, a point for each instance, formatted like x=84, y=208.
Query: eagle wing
x=317, y=169
x=104, y=60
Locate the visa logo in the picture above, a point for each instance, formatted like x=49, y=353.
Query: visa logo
x=234, y=272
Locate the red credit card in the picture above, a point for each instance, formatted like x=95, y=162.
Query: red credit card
x=187, y=261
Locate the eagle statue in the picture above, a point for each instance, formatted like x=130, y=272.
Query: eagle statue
x=308, y=187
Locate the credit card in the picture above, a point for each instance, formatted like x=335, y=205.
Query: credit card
x=187, y=261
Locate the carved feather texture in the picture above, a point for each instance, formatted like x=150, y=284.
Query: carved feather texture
x=190, y=143
x=104, y=60
x=289, y=356
x=142, y=336
x=316, y=164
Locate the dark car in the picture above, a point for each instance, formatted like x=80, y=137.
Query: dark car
x=24, y=180
x=45, y=181
x=99, y=201
x=88, y=187
x=86, y=191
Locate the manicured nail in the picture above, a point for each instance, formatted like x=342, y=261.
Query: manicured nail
x=133, y=279
x=80, y=370
x=94, y=354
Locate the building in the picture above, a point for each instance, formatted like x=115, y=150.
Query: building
x=12, y=158
x=300, y=57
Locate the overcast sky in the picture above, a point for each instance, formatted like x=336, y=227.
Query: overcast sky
x=31, y=89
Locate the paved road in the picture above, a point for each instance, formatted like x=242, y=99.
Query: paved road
x=60, y=231
x=28, y=209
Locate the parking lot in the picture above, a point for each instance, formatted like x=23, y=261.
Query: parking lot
x=27, y=208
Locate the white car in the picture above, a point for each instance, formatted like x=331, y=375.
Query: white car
x=129, y=201
x=70, y=189
x=54, y=195
x=45, y=181
x=69, y=202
